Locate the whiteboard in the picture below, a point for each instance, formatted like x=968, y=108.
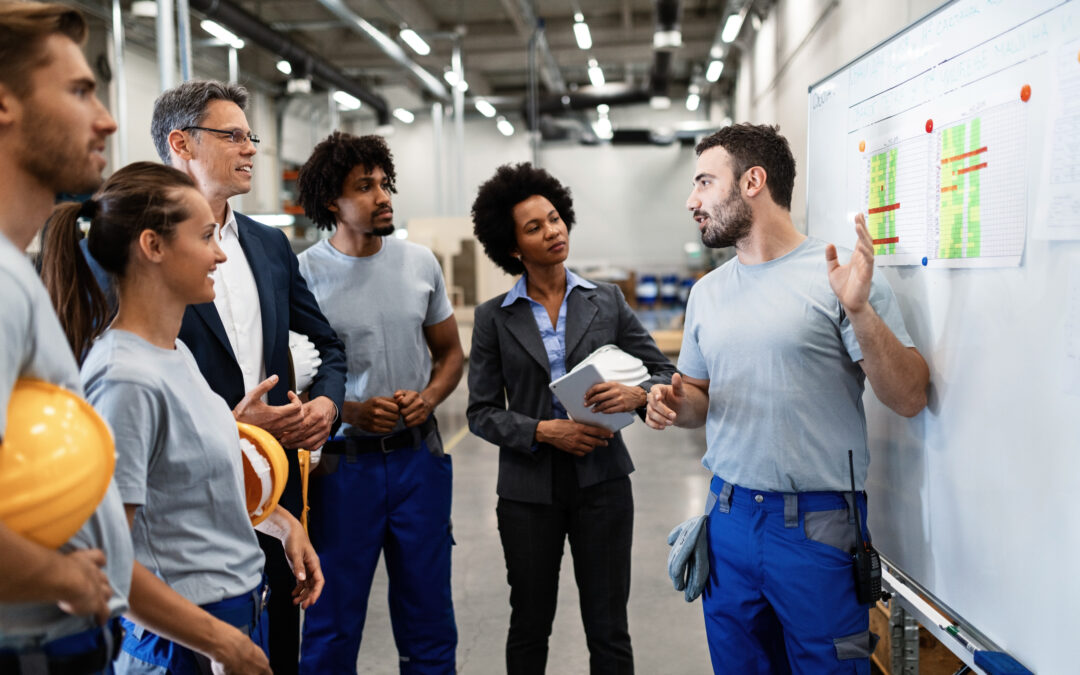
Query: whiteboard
x=978, y=497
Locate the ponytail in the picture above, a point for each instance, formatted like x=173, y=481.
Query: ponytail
x=80, y=303
x=140, y=196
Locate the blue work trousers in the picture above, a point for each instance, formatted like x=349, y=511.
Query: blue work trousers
x=397, y=503
x=146, y=653
x=781, y=591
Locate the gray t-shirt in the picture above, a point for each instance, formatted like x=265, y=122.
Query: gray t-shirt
x=32, y=345
x=785, y=388
x=179, y=458
x=379, y=305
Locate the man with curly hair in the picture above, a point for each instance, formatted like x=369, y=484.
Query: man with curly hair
x=389, y=481
x=777, y=346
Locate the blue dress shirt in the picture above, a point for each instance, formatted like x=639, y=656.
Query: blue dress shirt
x=554, y=337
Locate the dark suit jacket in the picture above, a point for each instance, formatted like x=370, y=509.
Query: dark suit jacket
x=286, y=304
x=509, y=377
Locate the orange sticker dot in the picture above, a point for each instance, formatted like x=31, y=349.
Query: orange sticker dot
x=1025, y=93
x=929, y=126
x=862, y=146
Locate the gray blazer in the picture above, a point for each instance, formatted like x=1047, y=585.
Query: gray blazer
x=509, y=377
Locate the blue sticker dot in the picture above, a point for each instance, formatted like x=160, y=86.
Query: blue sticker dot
x=924, y=262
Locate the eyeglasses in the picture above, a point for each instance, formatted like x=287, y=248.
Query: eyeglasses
x=235, y=135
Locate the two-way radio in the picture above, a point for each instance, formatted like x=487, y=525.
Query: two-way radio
x=866, y=559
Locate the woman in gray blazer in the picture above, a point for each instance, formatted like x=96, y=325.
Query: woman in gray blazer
x=557, y=479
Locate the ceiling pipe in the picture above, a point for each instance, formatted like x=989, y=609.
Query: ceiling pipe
x=388, y=46
x=582, y=100
x=525, y=19
x=307, y=63
x=667, y=15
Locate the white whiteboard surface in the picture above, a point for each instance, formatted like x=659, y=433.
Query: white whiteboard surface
x=978, y=497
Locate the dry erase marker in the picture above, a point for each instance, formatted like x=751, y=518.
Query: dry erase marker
x=953, y=631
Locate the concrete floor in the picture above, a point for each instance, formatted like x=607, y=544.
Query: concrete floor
x=668, y=634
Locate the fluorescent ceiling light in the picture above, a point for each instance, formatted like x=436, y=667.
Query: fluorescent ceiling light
x=713, y=73
x=404, y=115
x=284, y=67
x=146, y=9
x=504, y=126
x=596, y=74
x=692, y=102
x=451, y=78
x=411, y=38
x=275, y=219
x=346, y=101
x=667, y=39
x=581, y=33
x=732, y=27
x=603, y=108
x=603, y=128
x=298, y=85
x=485, y=107
x=578, y=16
x=223, y=34
x=401, y=234
x=659, y=102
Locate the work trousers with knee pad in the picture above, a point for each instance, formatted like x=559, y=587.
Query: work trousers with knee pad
x=398, y=504
x=781, y=591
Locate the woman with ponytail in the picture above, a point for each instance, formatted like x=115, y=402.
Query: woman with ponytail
x=178, y=465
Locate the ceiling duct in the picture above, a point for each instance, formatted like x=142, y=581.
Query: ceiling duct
x=666, y=38
x=305, y=62
x=388, y=46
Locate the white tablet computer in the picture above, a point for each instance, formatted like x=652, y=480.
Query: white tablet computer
x=570, y=390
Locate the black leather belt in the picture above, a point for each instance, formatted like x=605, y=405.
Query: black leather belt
x=359, y=445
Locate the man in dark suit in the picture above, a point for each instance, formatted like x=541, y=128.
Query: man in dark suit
x=241, y=339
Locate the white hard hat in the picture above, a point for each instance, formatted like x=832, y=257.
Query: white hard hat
x=615, y=365
x=304, y=360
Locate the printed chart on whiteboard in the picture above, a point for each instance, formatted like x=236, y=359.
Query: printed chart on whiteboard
x=951, y=194
x=982, y=200
x=896, y=205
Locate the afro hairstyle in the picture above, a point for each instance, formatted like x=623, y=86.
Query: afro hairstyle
x=493, y=209
x=322, y=178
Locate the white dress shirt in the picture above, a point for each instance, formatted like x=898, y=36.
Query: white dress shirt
x=237, y=301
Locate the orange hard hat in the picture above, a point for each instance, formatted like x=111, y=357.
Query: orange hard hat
x=56, y=462
x=265, y=470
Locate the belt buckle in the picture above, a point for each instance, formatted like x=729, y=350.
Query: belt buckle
x=382, y=445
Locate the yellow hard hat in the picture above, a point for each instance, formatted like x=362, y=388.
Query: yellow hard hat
x=56, y=461
x=265, y=470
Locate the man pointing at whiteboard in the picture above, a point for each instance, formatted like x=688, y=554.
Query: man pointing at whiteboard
x=777, y=345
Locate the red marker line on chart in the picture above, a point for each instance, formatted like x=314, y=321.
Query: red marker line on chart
x=964, y=156
x=887, y=240
x=972, y=168
x=883, y=209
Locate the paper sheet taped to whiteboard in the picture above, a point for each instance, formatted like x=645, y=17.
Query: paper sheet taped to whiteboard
x=1058, y=203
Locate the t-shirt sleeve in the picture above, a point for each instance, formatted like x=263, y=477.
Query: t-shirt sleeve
x=14, y=334
x=884, y=303
x=134, y=412
x=439, y=308
x=691, y=361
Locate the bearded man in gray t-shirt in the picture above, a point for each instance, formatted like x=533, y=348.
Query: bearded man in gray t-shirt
x=777, y=345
